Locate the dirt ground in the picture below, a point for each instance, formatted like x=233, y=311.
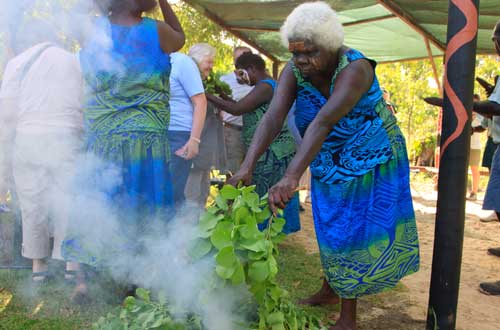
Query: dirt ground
x=406, y=308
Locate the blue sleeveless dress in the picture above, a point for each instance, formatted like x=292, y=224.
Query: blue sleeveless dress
x=126, y=124
x=271, y=166
x=362, y=205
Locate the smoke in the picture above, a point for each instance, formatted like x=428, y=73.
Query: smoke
x=84, y=200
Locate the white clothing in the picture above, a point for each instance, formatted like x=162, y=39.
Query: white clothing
x=495, y=128
x=185, y=82
x=41, y=93
x=238, y=92
x=47, y=93
x=43, y=168
x=475, y=139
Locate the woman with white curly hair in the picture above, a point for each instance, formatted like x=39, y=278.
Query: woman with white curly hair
x=361, y=199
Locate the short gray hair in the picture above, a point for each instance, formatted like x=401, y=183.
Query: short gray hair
x=316, y=22
x=200, y=51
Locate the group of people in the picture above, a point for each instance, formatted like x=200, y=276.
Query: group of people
x=136, y=104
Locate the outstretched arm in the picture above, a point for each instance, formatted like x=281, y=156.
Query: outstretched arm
x=354, y=81
x=171, y=34
x=269, y=126
x=262, y=93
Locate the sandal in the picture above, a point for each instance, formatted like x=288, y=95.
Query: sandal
x=70, y=276
x=43, y=277
x=490, y=288
x=494, y=251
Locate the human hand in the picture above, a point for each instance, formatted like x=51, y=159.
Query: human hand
x=437, y=101
x=189, y=150
x=281, y=193
x=243, y=176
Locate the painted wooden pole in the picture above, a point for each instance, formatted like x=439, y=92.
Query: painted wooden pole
x=455, y=143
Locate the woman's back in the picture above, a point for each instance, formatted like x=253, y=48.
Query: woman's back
x=127, y=79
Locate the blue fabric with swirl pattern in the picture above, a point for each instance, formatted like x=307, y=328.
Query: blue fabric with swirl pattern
x=362, y=205
x=126, y=117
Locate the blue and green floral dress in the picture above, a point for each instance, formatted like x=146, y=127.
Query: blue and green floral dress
x=361, y=198
x=271, y=166
x=126, y=123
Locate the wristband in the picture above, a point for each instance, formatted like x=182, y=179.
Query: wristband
x=195, y=139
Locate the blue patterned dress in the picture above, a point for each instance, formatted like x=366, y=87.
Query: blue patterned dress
x=271, y=166
x=126, y=124
x=361, y=198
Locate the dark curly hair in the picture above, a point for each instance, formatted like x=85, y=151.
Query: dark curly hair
x=247, y=60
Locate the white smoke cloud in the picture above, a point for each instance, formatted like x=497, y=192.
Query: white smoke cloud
x=163, y=263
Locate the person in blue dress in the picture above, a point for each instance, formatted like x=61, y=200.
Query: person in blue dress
x=126, y=69
x=270, y=167
x=361, y=198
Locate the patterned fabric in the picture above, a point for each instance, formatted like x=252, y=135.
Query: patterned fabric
x=362, y=205
x=272, y=165
x=283, y=145
x=268, y=171
x=358, y=142
x=126, y=125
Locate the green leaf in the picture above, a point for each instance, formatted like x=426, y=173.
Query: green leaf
x=250, y=230
x=239, y=275
x=229, y=192
x=256, y=255
x=258, y=271
x=129, y=302
x=264, y=215
x=276, y=318
x=256, y=245
x=221, y=202
x=278, y=224
x=273, y=266
x=200, y=248
x=248, y=189
x=251, y=199
x=209, y=221
x=221, y=236
x=241, y=214
x=226, y=257
x=142, y=294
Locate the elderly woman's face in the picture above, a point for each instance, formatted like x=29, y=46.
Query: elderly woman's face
x=206, y=66
x=309, y=58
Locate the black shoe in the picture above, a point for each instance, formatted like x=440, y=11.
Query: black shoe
x=490, y=288
x=494, y=251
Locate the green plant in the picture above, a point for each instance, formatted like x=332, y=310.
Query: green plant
x=143, y=313
x=245, y=255
x=213, y=85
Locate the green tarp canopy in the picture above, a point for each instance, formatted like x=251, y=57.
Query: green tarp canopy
x=384, y=30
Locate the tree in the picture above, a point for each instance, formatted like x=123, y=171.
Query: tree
x=198, y=29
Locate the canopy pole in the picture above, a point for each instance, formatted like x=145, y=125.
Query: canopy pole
x=434, y=67
x=452, y=184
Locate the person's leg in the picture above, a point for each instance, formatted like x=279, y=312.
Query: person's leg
x=192, y=190
x=476, y=177
x=235, y=150
x=325, y=296
x=30, y=180
x=347, y=320
x=179, y=167
x=204, y=187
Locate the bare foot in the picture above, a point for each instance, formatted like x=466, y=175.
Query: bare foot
x=325, y=296
x=341, y=325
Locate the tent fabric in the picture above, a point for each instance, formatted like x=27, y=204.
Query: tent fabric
x=384, y=30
